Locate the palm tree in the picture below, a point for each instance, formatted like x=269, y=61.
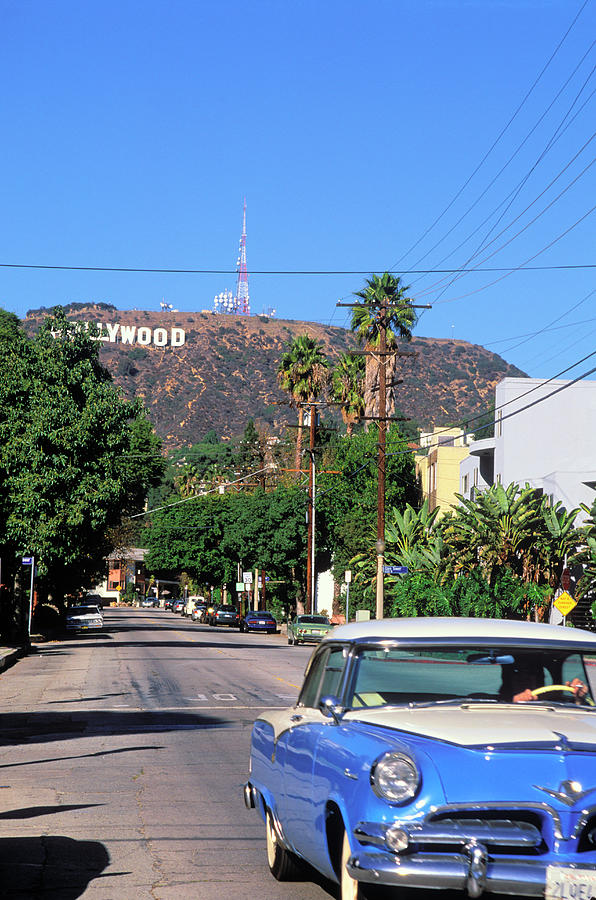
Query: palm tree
x=303, y=373
x=381, y=290
x=347, y=384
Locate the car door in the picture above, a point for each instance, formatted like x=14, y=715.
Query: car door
x=296, y=751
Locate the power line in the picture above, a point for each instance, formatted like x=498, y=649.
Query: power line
x=315, y=272
x=496, y=141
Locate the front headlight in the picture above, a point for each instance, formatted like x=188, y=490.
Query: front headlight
x=395, y=778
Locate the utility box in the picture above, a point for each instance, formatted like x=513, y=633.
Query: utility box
x=362, y=615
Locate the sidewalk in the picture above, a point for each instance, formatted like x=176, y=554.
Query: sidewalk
x=9, y=656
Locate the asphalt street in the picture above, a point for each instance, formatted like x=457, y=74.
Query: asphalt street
x=122, y=759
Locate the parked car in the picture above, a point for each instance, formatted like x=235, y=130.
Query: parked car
x=168, y=603
x=177, y=606
x=409, y=760
x=308, y=629
x=198, y=612
x=225, y=614
x=147, y=603
x=190, y=604
x=258, y=621
x=84, y=618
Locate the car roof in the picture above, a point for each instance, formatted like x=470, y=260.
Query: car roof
x=443, y=628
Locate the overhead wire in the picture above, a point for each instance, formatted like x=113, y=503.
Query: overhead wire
x=515, y=192
x=497, y=139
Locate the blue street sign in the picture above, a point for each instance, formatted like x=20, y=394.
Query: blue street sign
x=395, y=570
x=27, y=560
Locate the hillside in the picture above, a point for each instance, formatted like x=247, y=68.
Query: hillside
x=225, y=371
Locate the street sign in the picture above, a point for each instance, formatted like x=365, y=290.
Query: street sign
x=348, y=576
x=565, y=603
x=247, y=577
x=239, y=585
x=27, y=560
x=395, y=570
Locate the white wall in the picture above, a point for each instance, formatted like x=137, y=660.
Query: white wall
x=551, y=445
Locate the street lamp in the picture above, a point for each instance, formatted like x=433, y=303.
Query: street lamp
x=380, y=546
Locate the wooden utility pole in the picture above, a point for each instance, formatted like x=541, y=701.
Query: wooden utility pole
x=310, y=553
x=384, y=307
x=382, y=447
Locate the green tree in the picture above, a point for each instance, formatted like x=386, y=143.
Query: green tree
x=75, y=457
x=510, y=529
x=303, y=374
x=347, y=502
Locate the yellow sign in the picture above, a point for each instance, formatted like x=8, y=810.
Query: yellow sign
x=565, y=603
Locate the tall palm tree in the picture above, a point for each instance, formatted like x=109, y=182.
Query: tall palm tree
x=366, y=324
x=303, y=373
x=347, y=385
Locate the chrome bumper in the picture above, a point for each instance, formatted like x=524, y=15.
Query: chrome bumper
x=470, y=871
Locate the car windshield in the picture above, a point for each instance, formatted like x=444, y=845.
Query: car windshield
x=83, y=611
x=260, y=615
x=392, y=676
x=313, y=620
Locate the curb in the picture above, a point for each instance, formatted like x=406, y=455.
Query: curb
x=8, y=657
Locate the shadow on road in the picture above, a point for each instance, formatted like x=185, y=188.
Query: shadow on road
x=41, y=727
x=31, y=812
x=52, y=867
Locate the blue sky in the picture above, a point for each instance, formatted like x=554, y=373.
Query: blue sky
x=132, y=131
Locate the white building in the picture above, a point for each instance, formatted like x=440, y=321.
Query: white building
x=545, y=435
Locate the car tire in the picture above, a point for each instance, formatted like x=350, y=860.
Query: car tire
x=290, y=641
x=349, y=888
x=283, y=865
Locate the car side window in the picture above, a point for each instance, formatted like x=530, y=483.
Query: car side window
x=324, y=676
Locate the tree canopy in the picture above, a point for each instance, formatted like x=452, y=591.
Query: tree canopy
x=76, y=458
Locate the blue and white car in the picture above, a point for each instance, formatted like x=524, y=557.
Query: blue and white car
x=436, y=753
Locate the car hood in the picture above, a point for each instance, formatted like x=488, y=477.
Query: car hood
x=487, y=752
x=479, y=725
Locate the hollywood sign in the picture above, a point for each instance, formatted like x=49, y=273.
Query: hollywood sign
x=133, y=334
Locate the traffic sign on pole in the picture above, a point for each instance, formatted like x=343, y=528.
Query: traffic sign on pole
x=395, y=570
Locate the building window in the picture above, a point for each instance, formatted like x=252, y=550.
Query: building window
x=464, y=484
x=499, y=426
x=475, y=477
x=498, y=478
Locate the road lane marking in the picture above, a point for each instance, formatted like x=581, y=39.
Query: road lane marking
x=289, y=683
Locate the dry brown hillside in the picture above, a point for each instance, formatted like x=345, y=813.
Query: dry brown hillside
x=225, y=372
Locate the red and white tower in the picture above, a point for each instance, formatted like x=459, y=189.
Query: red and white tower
x=242, y=299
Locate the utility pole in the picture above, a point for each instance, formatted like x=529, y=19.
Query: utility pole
x=382, y=446
x=310, y=554
x=383, y=307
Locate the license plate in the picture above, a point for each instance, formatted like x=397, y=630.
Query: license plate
x=570, y=884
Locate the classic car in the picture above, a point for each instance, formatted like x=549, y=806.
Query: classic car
x=258, y=621
x=412, y=759
x=308, y=629
x=84, y=618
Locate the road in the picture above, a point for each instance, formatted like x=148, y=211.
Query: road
x=122, y=758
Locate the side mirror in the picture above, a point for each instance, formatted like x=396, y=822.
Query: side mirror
x=331, y=707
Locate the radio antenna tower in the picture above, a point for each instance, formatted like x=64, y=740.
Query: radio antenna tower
x=242, y=298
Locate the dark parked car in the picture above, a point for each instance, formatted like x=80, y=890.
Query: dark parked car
x=258, y=621
x=225, y=614
x=168, y=604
